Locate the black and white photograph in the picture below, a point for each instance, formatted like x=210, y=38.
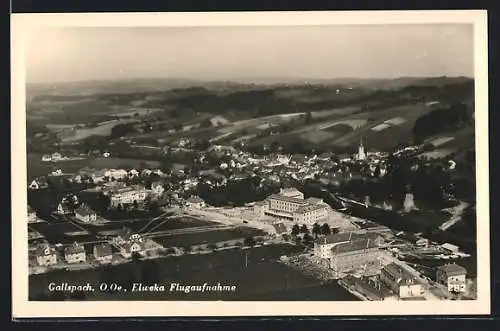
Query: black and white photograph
x=254, y=160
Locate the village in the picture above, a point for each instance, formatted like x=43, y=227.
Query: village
x=368, y=259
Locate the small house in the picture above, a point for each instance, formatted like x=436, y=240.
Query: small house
x=56, y=156
x=401, y=281
x=46, y=255
x=31, y=215
x=195, y=202
x=85, y=214
x=453, y=276
x=38, y=183
x=135, y=244
x=64, y=209
x=103, y=253
x=75, y=253
x=47, y=158
x=450, y=248
x=157, y=188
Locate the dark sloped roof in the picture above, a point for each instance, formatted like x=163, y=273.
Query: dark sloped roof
x=280, y=228
x=338, y=238
x=195, y=199
x=398, y=273
x=353, y=246
x=76, y=248
x=453, y=269
x=41, y=249
x=84, y=210
x=103, y=249
x=288, y=199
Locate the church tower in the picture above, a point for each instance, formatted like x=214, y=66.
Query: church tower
x=361, y=150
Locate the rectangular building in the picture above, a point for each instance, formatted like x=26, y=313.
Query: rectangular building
x=353, y=255
x=128, y=195
x=401, y=281
x=453, y=276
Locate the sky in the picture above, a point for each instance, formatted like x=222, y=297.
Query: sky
x=240, y=53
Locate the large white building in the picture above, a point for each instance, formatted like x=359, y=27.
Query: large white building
x=128, y=195
x=290, y=205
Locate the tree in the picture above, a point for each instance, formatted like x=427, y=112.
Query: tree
x=308, y=118
x=178, y=127
x=316, y=229
x=212, y=246
x=249, y=241
x=187, y=249
x=136, y=205
x=308, y=239
x=325, y=229
x=206, y=123
x=304, y=229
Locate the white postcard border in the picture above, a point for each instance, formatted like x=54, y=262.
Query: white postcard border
x=22, y=308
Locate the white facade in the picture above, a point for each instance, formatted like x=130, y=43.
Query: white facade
x=79, y=257
x=116, y=173
x=127, y=196
x=47, y=257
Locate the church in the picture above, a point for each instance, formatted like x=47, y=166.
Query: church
x=361, y=155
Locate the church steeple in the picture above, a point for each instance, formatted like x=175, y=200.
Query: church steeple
x=361, y=150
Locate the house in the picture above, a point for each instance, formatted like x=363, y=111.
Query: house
x=56, y=156
x=157, y=188
x=450, y=248
x=64, y=209
x=133, y=173
x=134, y=244
x=46, y=255
x=453, y=276
x=85, y=214
x=31, y=215
x=280, y=228
x=38, y=183
x=103, y=253
x=195, y=202
x=75, y=253
x=401, y=281
x=116, y=173
x=47, y=158
x=57, y=172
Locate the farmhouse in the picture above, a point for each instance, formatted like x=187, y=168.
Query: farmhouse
x=31, y=215
x=195, y=202
x=85, y=214
x=453, y=276
x=46, y=255
x=103, y=253
x=401, y=281
x=38, y=183
x=116, y=173
x=157, y=188
x=75, y=253
x=64, y=209
x=133, y=244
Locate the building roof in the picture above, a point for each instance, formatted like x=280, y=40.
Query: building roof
x=41, y=250
x=102, y=250
x=76, y=248
x=65, y=207
x=314, y=200
x=309, y=208
x=128, y=245
x=195, y=199
x=280, y=228
x=84, y=210
x=288, y=199
x=337, y=238
x=398, y=273
x=353, y=246
x=453, y=269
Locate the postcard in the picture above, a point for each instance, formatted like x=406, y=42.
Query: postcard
x=250, y=164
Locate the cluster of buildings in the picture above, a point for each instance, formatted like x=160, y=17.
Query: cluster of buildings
x=126, y=242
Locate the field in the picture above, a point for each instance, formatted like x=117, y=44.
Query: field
x=226, y=267
x=170, y=224
x=206, y=237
